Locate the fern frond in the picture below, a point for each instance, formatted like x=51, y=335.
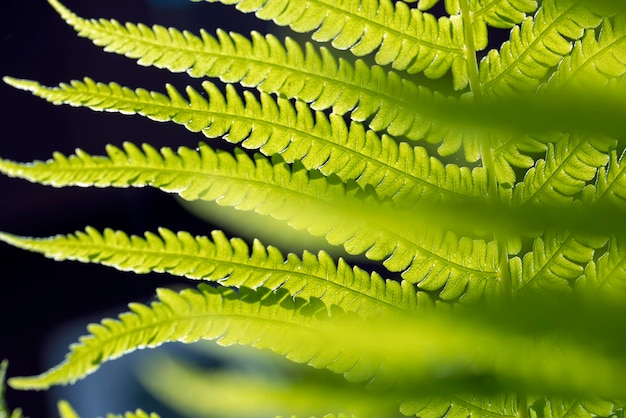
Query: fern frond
x=507, y=406
x=594, y=60
x=502, y=13
x=462, y=406
x=435, y=260
x=230, y=263
x=556, y=261
x=439, y=353
x=498, y=13
x=538, y=44
x=570, y=164
x=606, y=277
x=574, y=408
x=609, y=189
x=352, y=153
x=407, y=39
x=261, y=319
x=314, y=75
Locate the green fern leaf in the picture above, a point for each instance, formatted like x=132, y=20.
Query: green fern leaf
x=434, y=260
x=231, y=263
x=538, y=44
x=558, y=408
x=593, y=62
x=463, y=406
x=498, y=13
x=502, y=13
x=390, y=102
x=261, y=319
x=606, y=277
x=405, y=38
x=609, y=189
x=317, y=142
x=446, y=351
x=569, y=165
x=555, y=263
x=326, y=170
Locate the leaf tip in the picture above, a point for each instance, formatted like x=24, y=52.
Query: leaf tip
x=60, y=8
x=66, y=410
x=20, y=84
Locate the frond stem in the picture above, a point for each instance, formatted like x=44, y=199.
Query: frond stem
x=469, y=50
x=503, y=264
x=486, y=151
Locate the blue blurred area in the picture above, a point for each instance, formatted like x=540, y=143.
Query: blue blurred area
x=170, y=4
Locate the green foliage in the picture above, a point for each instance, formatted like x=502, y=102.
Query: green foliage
x=496, y=199
x=5, y=412
x=66, y=411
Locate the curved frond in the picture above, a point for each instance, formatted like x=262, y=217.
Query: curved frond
x=276, y=126
x=393, y=353
x=460, y=267
x=556, y=261
x=407, y=39
x=314, y=75
x=594, y=60
x=536, y=46
x=264, y=320
x=230, y=263
x=569, y=165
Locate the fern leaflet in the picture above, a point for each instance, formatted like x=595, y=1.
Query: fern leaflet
x=407, y=39
x=231, y=263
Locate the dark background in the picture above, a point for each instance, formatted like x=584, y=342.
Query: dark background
x=37, y=295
